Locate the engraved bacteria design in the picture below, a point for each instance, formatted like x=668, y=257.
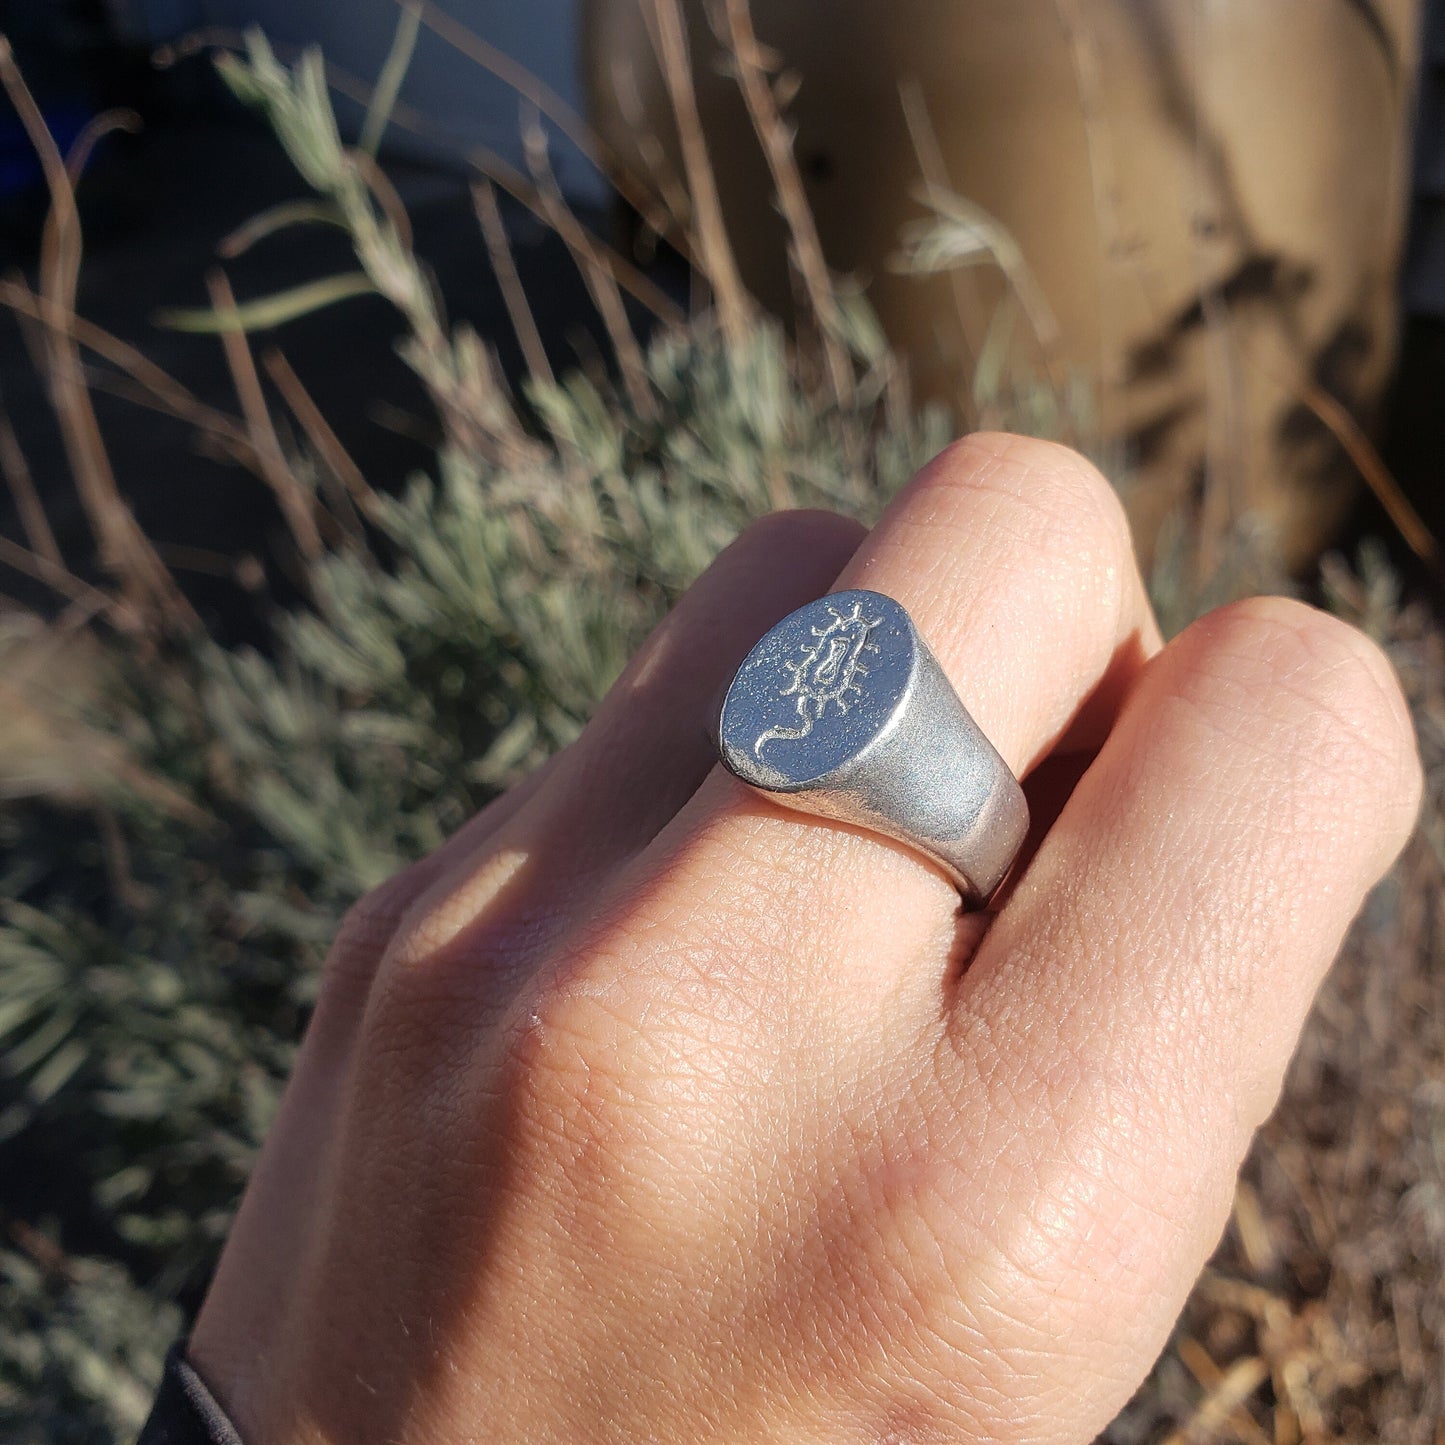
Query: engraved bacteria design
x=828, y=672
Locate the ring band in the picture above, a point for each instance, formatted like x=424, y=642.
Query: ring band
x=842, y=711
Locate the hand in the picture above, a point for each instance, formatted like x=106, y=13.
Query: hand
x=645, y=1110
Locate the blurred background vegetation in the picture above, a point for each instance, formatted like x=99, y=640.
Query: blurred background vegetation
x=277, y=638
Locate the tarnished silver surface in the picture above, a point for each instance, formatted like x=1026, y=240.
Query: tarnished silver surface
x=842, y=711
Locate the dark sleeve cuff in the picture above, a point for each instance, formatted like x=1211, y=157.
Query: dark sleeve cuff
x=185, y=1411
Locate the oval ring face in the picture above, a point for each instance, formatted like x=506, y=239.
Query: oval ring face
x=818, y=690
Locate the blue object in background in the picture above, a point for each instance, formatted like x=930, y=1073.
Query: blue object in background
x=20, y=170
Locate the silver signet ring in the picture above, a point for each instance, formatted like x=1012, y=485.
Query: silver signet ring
x=842, y=711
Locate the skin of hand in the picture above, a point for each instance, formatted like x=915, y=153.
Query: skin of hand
x=646, y=1110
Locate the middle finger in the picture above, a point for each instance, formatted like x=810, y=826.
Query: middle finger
x=1015, y=560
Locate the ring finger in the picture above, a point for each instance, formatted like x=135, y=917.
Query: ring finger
x=1015, y=560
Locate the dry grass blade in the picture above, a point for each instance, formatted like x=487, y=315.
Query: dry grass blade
x=95, y=131
x=964, y=234
x=58, y=577
x=1253, y=1230
x=637, y=284
x=210, y=563
x=1248, y=1299
x=1226, y=1391
x=167, y=394
x=327, y=444
x=934, y=171
x=777, y=143
x=714, y=250
x=42, y=746
x=28, y=505
x=202, y=39
x=40, y=1247
x=959, y=236
x=124, y=549
x=656, y=162
x=295, y=505
x=514, y=295
x=625, y=275
x=601, y=285
x=509, y=72
x=1405, y=1316
x=1371, y=466
x=655, y=211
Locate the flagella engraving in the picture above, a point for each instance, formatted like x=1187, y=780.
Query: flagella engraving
x=829, y=672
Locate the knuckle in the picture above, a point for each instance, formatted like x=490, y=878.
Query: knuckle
x=481, y=908
x=370, y=922
x=1330, y=688
x=1065, y=502
x=365, y=934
